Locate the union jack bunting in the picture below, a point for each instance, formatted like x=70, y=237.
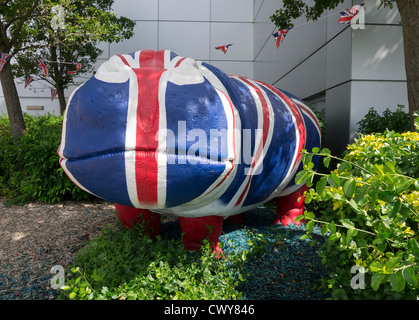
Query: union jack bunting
x=53, y=93
x=28, y=81
x=42, y=64
x=78, y=67
x=151, y=123
x=224, y=48
x=348, y=14
x=280, y=36
x=4, y=57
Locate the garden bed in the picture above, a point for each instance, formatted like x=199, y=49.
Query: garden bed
x=37, y=236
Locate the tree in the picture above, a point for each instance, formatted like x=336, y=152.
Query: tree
x=408, y=9
x=72, y=33
x=15, y=31
x=30, y=29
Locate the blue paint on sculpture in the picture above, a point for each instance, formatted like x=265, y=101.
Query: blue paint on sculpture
x=157, y=131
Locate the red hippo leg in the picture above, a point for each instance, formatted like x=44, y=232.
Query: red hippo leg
x=290, y=206
x=130, y=216
x=195, y=230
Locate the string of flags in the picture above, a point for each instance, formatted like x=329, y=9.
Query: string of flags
x=346, y=17
x=43, y=66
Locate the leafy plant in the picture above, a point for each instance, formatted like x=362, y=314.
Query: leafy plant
x=388, y=146
x=125, y=264
x=371, y=220
x=29, y=164
x=398, y=121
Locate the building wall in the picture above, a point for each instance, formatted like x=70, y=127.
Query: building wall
x=378, y=70
x=340, y=71
x=330, y=65
x=190, y=28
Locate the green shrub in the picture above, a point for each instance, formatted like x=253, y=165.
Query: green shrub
x=370, y=220
x=388, y=146
x=398, y=121
x=124, y=264
x=29, y=165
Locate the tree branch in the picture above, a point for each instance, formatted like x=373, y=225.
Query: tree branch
x=22, y=21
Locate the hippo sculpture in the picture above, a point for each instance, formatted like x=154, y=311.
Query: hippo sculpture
x=154, y=132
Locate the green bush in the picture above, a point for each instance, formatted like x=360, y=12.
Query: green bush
x=124, y=264
x=29, y=165
x=370, y=218
x=398, y=121
x=388, y=146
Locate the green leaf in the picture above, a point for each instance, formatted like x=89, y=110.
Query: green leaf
x=299, y=218
x=409, y=276
x=349, y=187
x=378, y=169
x=320, y=185
x=403, y=185
x=325, y=151
x=323, y=230
x=376, y=280
x=396, y=207
x=309, y=178
x=344, y=166
x=389, y=167
x=375, y=266
x=397, y=281
x=348, y=223
x=326, y=162
x=413, y=245
x=353, y=204
x=309, y=215
x=392, y=263
x=333, y=180
x=332, y=227
x=310, y=226
x=301, y=177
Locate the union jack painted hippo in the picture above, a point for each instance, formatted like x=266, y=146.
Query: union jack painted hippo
x=155, y=132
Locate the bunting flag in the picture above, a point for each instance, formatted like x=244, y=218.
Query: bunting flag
x=43, y=66
x=224, y=48
x=53, y=93
x=348, y=14
x=28, y=81
x=78, y=67
x=280, y=36
x=4, y=57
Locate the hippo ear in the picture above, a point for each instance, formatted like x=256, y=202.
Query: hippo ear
x=185, y=74
x=113, y=71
